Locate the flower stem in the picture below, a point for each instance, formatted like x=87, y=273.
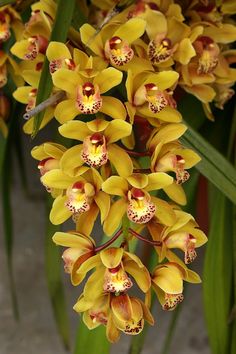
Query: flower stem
x=43, y=105
x=142, y=170
x=138, y=154
x=153, y=243
x=108, y=243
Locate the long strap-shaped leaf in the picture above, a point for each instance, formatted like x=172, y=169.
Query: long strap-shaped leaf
x=59, y=33
x=217, y=276
x=92, y=342
x=5, y=170
x=54, y=281
x=213, y=165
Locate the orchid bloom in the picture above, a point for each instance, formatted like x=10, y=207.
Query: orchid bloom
x=167, y=282
x=84, y=94
x=98, y=137
x=135, y=200
x=114, y=44
x=81, y=197
x=148, y=96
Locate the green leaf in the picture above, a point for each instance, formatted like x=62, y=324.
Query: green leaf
x=91, y=341
x=214, y=166
x=6, y=186
x=6, y=2
x=217, y=275
x=54, y=281
x=60, y=29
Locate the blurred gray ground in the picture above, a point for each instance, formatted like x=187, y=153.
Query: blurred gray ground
x=35, y=333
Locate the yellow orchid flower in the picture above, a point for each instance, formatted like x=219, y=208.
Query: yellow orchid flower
x=59, y=56
x=112, y=268
x=95, y=313
x=35, y=37
x=10, y=19
x=48, y=155
x=98, y=137
x=8, y=66
x=127, y=315
x=184, y=235
x=167, y=282
x=118, y=313
x=28, y=94
x=135, y=200
x=168, y=154
x=114, y=44
x=79, y=249
x=148, y=96
x=81, y=198
x=84, y=94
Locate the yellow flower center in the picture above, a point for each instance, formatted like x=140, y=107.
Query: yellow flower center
x=116, y=280
x=172, y=300
x=207, y=51
x=155, y=97
x=56, y=64
x=94, y=151
x=118, y=51
x=78, y=202
x=37, y=44
x=88, y=99
x=159, y=50
x=5, y=32
x=140, y=208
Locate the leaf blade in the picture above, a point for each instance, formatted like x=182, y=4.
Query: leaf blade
x=59, y=33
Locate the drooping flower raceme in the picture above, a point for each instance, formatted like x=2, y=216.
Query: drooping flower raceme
x=122, y=164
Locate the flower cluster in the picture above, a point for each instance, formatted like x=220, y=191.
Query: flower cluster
x=115, y=102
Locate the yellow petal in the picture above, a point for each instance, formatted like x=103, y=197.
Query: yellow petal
x=111, y=257
x=85, y=222
x=54, y=150
x=120, y=160
x=71, y=160
x=168, y=133
x=93, y=288
x=203, y=92
x=163, y=80
x=115, y=185
x=22, y=94
x=225, y=33
x=103, y=202
x=113, y=107
x=117, y=129
x=176, y=193
x=107, y=79
x=97, y=125
x=112, y=333
x=57, y=179
x=131, y=30
x=66, y=110
x=138, y=180
x=88, y=37
x=121, y=307
x=72, y=240
x=164, y=212
x=66, y=80
x=141, y=275
x=114, y=217
x=158, y=180
x=83, y=304
x=89, y=264
x=57, y=50
x=169, y=280
x=59, y=212
x=74, y=130
x=185, y=51
x=167, y=114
